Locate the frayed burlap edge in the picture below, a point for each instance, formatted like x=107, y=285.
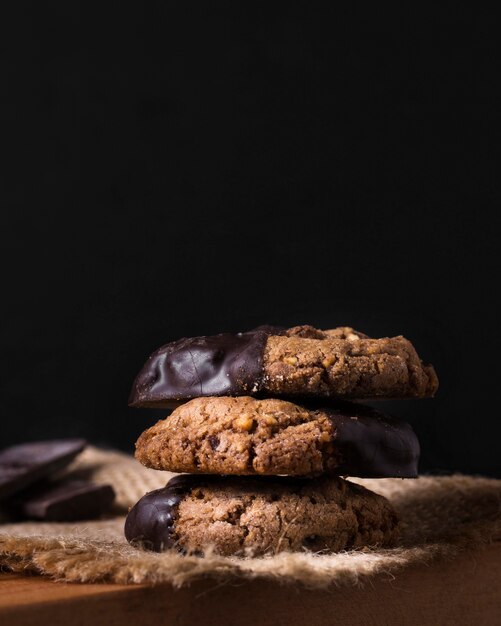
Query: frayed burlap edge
x=441, y=516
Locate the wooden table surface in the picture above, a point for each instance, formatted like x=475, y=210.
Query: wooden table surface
x=465, y=591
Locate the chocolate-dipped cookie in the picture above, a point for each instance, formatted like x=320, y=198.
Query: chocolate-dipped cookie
x=244, y=436
x=256, y=516
x=298, y=362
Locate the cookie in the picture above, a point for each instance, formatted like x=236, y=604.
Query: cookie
x=260, y=516
x=298, y=362
x=245, y=435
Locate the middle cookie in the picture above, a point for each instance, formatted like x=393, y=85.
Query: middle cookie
x=245, y=436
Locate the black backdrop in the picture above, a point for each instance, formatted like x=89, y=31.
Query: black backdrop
x=174, y=170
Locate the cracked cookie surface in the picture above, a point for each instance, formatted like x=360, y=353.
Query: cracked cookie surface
x=344, y=363
x=261, y=516
x=245, y=436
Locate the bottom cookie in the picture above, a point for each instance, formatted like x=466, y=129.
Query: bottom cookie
x=257, y=516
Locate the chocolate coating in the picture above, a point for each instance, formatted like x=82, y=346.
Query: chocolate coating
x=218, y=365
x=27, y=463
x=372, y=444
x=150, y=522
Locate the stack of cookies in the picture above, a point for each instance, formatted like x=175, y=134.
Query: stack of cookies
x=264, y=435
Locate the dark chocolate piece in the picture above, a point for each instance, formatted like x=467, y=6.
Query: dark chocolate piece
x=65, y=501
x=372, y=444
x=218, y=365
x=28, y=463
x=150, y=522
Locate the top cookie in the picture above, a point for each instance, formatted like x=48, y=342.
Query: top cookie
x=297, y=362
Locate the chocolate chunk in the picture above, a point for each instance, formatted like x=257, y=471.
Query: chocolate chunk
x=27, y=463
x=219, y=365
x=372, y=444
x=66, y=501
x=150, y=522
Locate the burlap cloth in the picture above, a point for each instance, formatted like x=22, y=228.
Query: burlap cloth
x=441, y=515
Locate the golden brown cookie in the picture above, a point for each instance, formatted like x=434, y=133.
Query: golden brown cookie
x=299, y=362
x=221, y=435
x=255, y=516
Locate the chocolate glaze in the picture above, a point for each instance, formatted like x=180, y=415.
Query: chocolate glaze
x=150, y=523
x=372, y=444
x=218, y=365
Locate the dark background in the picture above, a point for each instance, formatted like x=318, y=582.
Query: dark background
x=174, y=171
